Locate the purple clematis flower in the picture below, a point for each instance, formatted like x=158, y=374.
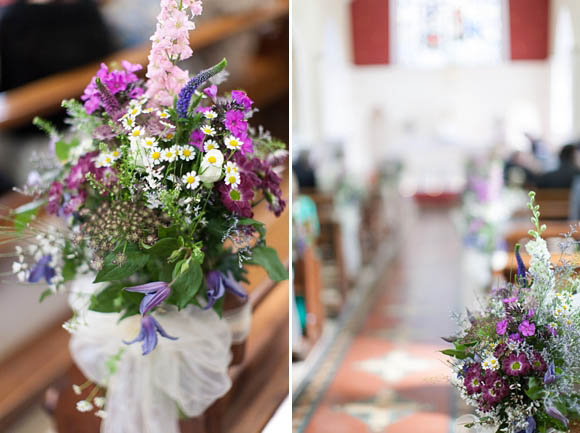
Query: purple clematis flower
x=531, y=428
x=550, y=376
x=42, y=270
x=155, y=294
x=148, y=334
x=218, y=284
x=555, y=413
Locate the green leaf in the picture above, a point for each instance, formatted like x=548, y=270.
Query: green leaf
x=258, y=226
x=459, y=354
x=108, y=300
x=186, y=286
x=113, y=272
x=69, y=270
x=62, y=149
x=268, y=258
x=25, y=214
x=45, y=295
x=164, y=247
x=534, y=390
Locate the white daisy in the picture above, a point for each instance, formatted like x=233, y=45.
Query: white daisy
x=128, y=123
x=105, y=160
x=116, y=154
x=163, y=114
x=208, y=130
x=210, y=145
x=210, y=115
x=149, y=142
x=214, y=157
x=169, y=155
x=233, y=180
x=169, y=136
x=231, y=167
x=187, y=152
x=490, y=363
x=233, y=143
x=136, y=134
x=134, y=111
x=155, y=156
x=167, y=124
x=191, y=180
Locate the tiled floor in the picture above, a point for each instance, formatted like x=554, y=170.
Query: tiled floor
x=388, y=376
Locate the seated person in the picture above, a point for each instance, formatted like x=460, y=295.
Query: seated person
x=564, y=175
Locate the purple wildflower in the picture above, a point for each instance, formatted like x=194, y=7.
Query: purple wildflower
x=155, y=294
x=54, y=198
x=217, y=285
x=148, y=334
x=211, y=91
x=197, y=138
x=42, y=270
x=516, y=365
x=537, y=362
x=521, y=266
x=515, y=337
x=501, y=327
x=527, y=329
x=552, y=411
x=551, y=330
x=473, y=381
x=550, y=376
x=108, y=100
x=242, y=99
x=236, y=123
x=238, y=201
x=511, y=300
x=495, y=388
x=184, y=99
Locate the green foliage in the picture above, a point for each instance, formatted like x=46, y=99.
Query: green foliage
x=78, y=116
x=534, y=390
x=163, y=248
x=62, y=149
x=186, y=285
x=268, y=258
x=45, y=295
x=535, y=209
x=24, y=215
x=112, y=271
x=45, y=126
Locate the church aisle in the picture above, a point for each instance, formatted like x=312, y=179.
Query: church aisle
x=383, y=372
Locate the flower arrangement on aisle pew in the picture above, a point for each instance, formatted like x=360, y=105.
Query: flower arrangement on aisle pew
x=517, y=362
x=154, y=185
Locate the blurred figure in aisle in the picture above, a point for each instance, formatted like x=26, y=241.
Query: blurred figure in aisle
x=564, y=175
x=304, y=171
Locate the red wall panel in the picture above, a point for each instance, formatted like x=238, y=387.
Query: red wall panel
x=370, y=31
x=529, y=29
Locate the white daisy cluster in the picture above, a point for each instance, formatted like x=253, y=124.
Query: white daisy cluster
x=490, y=363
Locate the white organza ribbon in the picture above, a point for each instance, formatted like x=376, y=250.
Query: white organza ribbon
x=464, y=420
x=145, y=392
x=239, y=321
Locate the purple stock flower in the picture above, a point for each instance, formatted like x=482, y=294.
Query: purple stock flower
x=515, y=337
x=527, y=329
x=148, y=334
x=155, y=294
x=184, y=99
x=54, y=198
x=197, y=138
x=550, y=376
x=501, y=327
x=552, y=411
x=217, y=285
x=521, y=266
x=516, y=365
x=236, y=123
x=242, y=99
x=42, y=270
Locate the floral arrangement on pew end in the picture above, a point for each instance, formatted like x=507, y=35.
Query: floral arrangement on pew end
x=154, y=186
x=517, y=362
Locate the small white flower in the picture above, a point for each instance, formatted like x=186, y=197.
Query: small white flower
x=136, y=134
x=128, y=123
x=134, y=111
x=490, y=363
x=208, y=130
x=169, y=155
x=163, y=114
x=84, y=406
x=233, y=143
x=100, y=402
x=155, y=156
x=149, y=110
x=210, y=145
x=210, y=115
x=214, y=157
x=187, y=152
x=149, y=142
x=232, y=179
x=231, y=167
x=167, y=124
x=168, y=136
x=191, y=180
x=116, y=154
x=211, y=166
x=105, y=160
x=77, y=389
x=101, y=414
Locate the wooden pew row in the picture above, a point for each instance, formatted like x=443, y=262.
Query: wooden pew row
x=553, y=203
x=45, y=360
x=518, y=233
x=43, y=97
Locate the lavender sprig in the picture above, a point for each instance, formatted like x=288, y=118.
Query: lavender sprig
x=184, y=100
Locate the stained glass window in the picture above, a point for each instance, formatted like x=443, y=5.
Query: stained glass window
x=436, y=33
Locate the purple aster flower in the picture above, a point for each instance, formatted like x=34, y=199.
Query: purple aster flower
x=236, y=122
x=217, y=285
x=155, y=293
x=550, y=376
x=238, y=201
x=211, y=91
x=473, y=381
x=527, y=329
x=521, y=267
x=42, y=270
x=552, y=411
x=148, y=334
x=184, y=99
x=516, y=365
x=537, y=362
x=242, y=99
x=501, y=327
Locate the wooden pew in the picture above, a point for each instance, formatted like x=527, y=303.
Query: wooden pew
x=553, y=202
x=518, y=232
x=260, y=379
x=266, y=77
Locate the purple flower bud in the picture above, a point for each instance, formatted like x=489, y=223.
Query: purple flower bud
x=555, y=413
x=148, y=334
x=521, y=266
x=550, y=376
x=42, y=270
x=155, y=294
